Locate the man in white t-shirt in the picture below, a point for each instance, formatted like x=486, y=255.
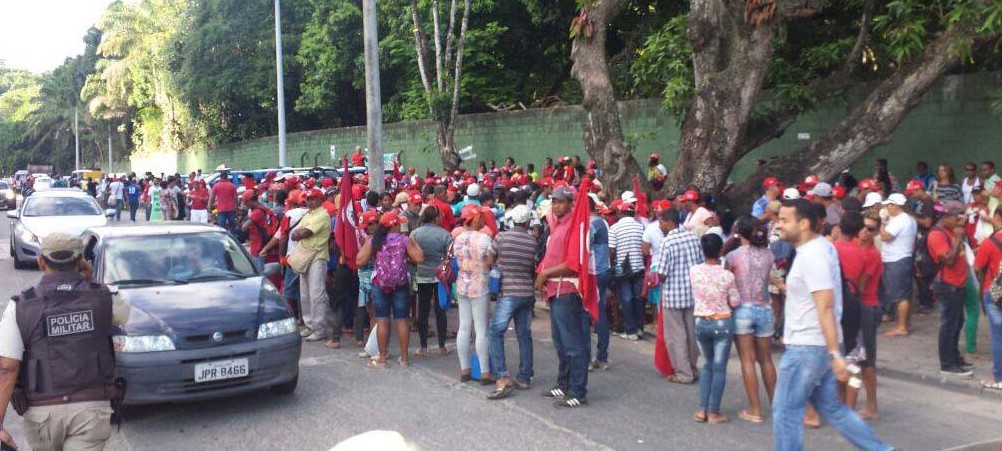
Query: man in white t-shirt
x=813, y=358
x=116, y=196
x=897, y=252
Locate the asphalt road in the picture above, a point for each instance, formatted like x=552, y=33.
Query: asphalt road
x=630, y=407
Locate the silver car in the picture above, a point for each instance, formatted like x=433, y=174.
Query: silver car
x=43, y=212
x=8, y=198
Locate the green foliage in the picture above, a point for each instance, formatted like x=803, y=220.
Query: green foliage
x=664, y=66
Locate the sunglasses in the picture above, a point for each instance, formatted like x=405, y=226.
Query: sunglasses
x=872, y=228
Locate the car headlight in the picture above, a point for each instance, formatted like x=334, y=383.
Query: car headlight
x=146, y=343
x=28, y=237
x=277, y=328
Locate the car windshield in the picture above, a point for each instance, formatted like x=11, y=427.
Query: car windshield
x=4, y=186
x=61, y=206
x=173, y=259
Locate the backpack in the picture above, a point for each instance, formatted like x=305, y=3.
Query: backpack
x=271, y=223
x=924, y=264
x=390, y=270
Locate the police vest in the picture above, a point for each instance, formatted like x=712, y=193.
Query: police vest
x=65, y=324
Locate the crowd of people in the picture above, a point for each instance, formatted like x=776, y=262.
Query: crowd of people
x=815, y=267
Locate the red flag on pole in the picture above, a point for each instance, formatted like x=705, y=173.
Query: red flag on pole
x=661, y=359
x=344, y=228
x=642, y=205
x=396, y=171
x=578, y=250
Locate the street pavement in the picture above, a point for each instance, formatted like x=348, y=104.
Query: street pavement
x=630, y=406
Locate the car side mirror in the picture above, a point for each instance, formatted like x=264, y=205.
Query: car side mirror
x=109, y=212
x=271, y=269
x=12, y=214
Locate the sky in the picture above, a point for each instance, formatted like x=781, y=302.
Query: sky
x=38, y=35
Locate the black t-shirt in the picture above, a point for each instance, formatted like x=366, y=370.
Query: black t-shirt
x=852, y=204
x=922, y=208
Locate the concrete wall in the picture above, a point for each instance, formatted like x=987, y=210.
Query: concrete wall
x=953, y=122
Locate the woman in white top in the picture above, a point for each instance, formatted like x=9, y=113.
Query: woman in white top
x=970, y=182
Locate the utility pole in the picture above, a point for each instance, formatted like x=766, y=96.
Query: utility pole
x=280, y=84
x=76, y=135
x=373, y=103
x=111, y=167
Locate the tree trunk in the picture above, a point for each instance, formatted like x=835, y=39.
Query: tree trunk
x=873, y=122
x=447, y=145
x=730, y=60
x=603, y=133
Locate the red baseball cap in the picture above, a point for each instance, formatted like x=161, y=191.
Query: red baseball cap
x=838, y=192
x=327, y=182
x=690, y=196
x=368, y=217
x=415, y=198
x=811, y=180
x=624, y=206
x=547, y=181
x=914, y=185
x=655, y=156
x=868, y=184
x=313, y=193
x=248, y=195
x=390, y=218
x=770, y=182
x=470, y=211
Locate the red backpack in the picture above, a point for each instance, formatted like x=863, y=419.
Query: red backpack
x=271, y=223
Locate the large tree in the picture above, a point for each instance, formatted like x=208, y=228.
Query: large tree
x=755, y=65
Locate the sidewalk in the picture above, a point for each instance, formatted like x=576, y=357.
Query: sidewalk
x=916, y=357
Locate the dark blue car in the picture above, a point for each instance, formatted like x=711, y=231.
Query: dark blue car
x=205, y=321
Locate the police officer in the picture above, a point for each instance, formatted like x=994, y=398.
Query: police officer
x=55, y=345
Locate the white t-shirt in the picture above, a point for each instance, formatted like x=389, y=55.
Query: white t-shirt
x=904, y=229
x=294, y=216
x=653, y=236
x=115, y=190
x=816, y=268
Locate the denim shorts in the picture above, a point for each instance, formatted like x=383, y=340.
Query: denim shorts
x=897, y=279
x=754, y=319
x=395, y=302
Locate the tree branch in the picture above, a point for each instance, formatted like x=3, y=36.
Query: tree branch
x=459, y=63
x=439, y=70
x=420, y=47
x=449, y=35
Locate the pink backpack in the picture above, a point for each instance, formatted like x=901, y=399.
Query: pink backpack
x=391, y=263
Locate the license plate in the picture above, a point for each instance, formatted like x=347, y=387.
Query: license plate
x=222, y=369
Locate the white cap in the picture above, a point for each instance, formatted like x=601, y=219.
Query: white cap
x=519, y=215
x=896, y=199
x=791, y=194
x=872, y=199
x=473, y=190
x=594, y=198
x=822, y=190
x=628, y=197
x=222, y=167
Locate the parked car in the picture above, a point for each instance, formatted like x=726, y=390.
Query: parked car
x=63, y=209
x=205, y=321
x=8, y=197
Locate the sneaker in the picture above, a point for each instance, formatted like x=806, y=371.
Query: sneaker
x=570, y=402
x=956, y=371
x=315, y=337
x=305, y=331
x=555, y=392
x=597, y=365
x=965, y=365
x=632, y=337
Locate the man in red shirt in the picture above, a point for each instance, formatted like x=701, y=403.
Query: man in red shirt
x=444, y=209
x=256, y=225
x=870, y=314
x=223, y=197
x=199, y=196
x=568, y=320
x=986, y=263
x=946, y=247
x=358, y=158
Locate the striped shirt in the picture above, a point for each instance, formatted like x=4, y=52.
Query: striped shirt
x=680, y=251
x=626, y=237
x=517, y=260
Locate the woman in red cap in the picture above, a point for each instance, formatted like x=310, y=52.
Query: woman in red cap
x=389, y=251
x=475, y=253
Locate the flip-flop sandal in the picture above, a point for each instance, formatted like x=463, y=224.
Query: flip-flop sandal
x=421, y=353
x=402, y=363
x=500, y=393
x=443, y=351
x=991, y=385
x=718, y=419
x=744, y=415
x=376, y=364
x=700, y=417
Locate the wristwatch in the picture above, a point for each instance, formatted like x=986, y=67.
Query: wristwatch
x=834, y=355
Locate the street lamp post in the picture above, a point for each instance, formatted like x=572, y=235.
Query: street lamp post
x=373, y=103
x=280, y=84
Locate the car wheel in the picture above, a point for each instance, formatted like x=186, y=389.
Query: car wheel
x=286, y=388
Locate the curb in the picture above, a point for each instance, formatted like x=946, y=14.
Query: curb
x=965, y=385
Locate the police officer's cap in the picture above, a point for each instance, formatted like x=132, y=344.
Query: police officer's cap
x=61, y=247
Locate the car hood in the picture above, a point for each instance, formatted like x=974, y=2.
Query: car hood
x=198, y=308
x=42, y=226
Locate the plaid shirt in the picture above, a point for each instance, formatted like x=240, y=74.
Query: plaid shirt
x=680, y=251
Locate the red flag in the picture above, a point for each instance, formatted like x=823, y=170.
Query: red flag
x=578, y=250
x=427, y=172
x=344, y=228
x=641, y=198
x=396, y=171
x=661, y=359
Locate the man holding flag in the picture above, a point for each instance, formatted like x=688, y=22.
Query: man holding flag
x=571, y=291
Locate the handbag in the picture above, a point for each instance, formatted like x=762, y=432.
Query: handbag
x=448, y=269
x=301, y=258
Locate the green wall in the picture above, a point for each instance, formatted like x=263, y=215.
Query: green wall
x=954, y=122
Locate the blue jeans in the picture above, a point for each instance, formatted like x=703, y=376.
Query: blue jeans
x=506, y=309
x=628, y=295
x=118, y=209
x=133, y=209
x=227, y=220
x=805, y=374
x=714, y=339
x=572, y=341
x=395, y=302
x=995, y=327
x=602, y=327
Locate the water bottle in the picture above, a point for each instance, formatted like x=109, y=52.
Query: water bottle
x=852, y=360
x=495, y=280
